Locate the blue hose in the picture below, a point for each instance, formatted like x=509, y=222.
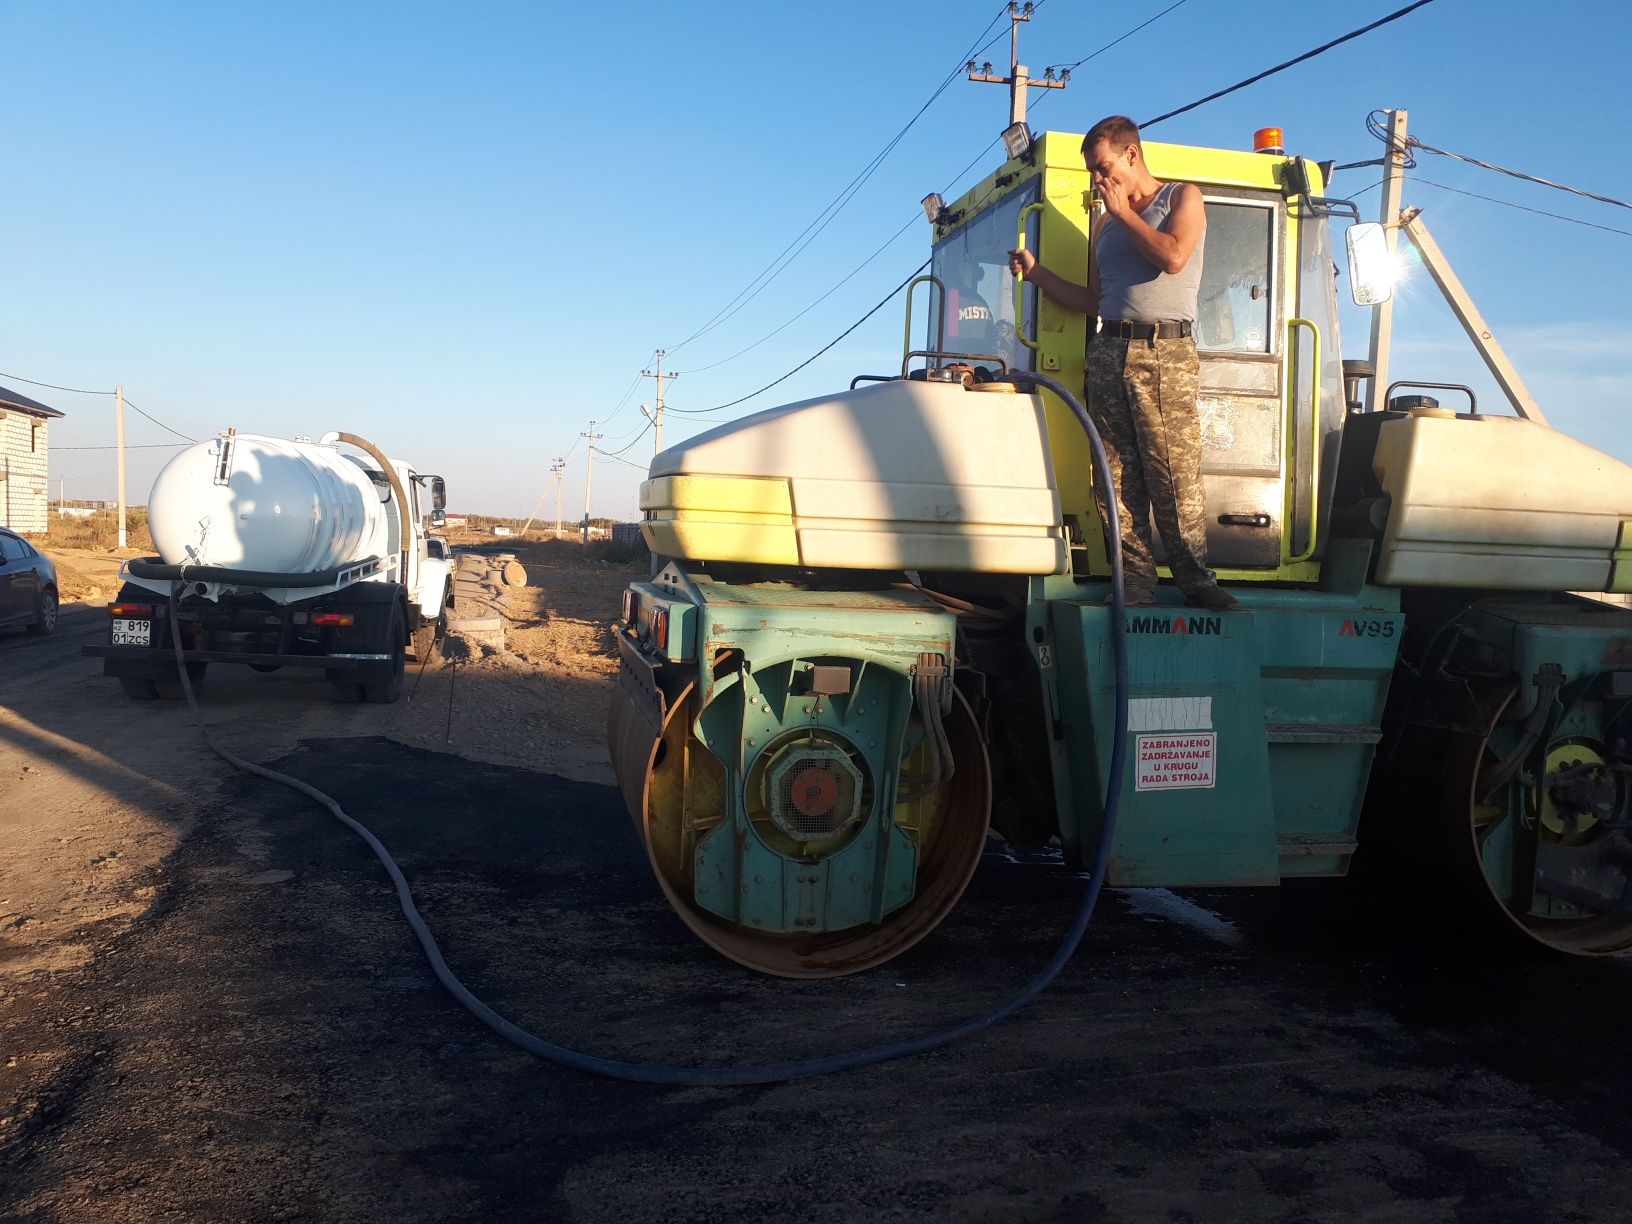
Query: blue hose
x=774, y=1073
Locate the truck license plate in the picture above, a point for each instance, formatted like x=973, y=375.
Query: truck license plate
x=132, y=632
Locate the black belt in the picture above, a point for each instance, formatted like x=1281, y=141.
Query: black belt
x=1144, y=331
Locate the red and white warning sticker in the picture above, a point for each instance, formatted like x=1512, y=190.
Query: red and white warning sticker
x=1183, y=761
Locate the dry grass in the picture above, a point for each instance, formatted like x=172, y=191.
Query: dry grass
x=100, y=532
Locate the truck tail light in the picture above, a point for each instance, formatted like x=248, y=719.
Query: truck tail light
x=331, y=619
x=145, y=611
x=660, y=628
x=628, y=606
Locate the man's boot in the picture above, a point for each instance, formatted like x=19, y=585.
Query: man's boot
x=1212, y=597
x=1134, y=595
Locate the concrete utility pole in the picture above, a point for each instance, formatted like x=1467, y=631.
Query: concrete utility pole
x=1382, y=317
x=559, y=467
x=657, y=417
x=119, y=430
x=555, y=482
x=1467, y=314
x=589, y=475
x=1017, y=80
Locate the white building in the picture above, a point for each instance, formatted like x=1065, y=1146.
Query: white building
x=23, y=453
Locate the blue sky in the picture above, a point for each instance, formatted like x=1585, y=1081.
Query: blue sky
x=463, y=230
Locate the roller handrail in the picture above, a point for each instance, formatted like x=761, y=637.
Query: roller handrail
x=1291, y=503
x=1020, y=281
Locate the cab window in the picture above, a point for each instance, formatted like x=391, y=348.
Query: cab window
x=973, y=263
x=1233, y=307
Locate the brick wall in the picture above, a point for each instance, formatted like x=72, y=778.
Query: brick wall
x=23, y=450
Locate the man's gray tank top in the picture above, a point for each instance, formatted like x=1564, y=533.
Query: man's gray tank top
x=1133, y=289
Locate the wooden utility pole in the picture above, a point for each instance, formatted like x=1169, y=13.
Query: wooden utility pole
x=1382, y=318
x=589, y=475
x=119, y=431
x=1017, y=80
x=657, y=417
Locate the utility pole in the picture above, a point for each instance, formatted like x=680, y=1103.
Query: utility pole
x=559, y=467
x=1382, y=317
x=1017, y=80
x=656, y=418
x=119, y=429
x=556, y=469
x=589, y=475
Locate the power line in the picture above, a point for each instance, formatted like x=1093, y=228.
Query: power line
x=1281, y=67
x=618, y=407
x=818, y=352
x=615, y=457
x=1522, y=208
x=1523, y=177
x=128, y=446
x=1377, y=125
x=35, y=383
x=912, y=219
x=156, y=421
x=826, y=216
x=82, y=391
x=1114, y=41
x=630, y=446
x=849, y=276
x=908, y=224
x=875, y=309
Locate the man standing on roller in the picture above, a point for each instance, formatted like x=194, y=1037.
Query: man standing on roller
x=1142, y=366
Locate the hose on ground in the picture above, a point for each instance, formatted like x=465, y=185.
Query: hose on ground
x=775, y=1072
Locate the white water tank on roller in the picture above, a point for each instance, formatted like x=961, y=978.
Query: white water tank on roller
x=250, y=502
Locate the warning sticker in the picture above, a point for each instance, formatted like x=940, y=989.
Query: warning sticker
x=1177, y=762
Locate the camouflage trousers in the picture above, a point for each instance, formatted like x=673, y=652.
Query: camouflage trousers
x=1142, y=397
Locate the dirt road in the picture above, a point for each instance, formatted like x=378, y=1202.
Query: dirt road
x=213, y=1010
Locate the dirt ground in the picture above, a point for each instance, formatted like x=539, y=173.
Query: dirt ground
x=95, y=789
x=211, y=1009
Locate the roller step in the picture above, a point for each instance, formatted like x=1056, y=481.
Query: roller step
x=1322, y=733
x=1315, y=843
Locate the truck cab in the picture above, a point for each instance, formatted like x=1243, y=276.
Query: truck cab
x=1271, y=401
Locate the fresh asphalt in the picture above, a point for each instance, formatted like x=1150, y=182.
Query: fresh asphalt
x=268, y=1043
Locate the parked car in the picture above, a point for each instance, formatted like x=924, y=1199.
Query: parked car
x=28, y=586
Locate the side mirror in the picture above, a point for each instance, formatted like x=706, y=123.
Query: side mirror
x=439, y=493
x=438, y=518
x=1371, y=264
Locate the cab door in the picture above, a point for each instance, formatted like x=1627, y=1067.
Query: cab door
x=1241, y=336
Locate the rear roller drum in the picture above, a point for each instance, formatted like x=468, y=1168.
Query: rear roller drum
x=1535, y=818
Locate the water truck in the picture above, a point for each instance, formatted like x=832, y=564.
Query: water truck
x=275, y=553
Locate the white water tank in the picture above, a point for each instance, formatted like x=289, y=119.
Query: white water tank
x=256, y=503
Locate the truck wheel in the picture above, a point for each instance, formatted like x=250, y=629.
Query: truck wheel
x=346, y=692
x=138, y=688
x=387, y=691
x=430, y=632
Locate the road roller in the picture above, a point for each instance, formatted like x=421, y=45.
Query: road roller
x=878, y=633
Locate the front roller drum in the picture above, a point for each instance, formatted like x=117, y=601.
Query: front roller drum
x=676, y=790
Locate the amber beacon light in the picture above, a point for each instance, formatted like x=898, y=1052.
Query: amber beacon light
x=1268, y=140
